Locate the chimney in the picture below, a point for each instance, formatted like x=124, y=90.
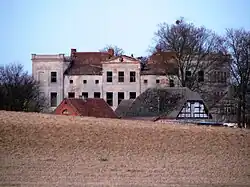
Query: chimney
x=111, y=52
x=132, y=55
x=73, y=51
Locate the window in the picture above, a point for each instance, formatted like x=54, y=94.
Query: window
x=218, y=77
x=157, y=81
x=145, y=81
x=53, y=99
x=188, y=75
x=96, y=81
x=109, y=76
x=71, y=81
x=132, y=95
x=200, y=76
x=109, y=97
x=120, y=76
x=84, y=81
x=71, y=94
x=41, y=77
x=65, y=112
x=53, y=76
x=171, y=83
x=132, y=76
x=85, y=95
x=97, y=95
x=120, y=97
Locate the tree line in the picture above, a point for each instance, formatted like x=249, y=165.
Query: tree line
x=191, y=44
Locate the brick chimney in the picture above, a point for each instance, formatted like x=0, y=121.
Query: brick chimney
x=73, y=51
x=111, y=52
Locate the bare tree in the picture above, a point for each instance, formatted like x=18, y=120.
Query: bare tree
x=117, y=50
x=19, y=91
x=238, y=44
x=194, y=48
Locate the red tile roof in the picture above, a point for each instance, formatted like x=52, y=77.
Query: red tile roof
x=93, y=107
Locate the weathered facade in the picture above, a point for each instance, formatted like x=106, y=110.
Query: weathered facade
x=103, y=75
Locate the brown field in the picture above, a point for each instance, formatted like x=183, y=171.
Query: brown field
x=48, y=150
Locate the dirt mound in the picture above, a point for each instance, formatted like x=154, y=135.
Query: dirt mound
x=49, y=150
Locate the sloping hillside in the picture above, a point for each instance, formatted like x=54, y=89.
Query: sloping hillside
x=49, y=150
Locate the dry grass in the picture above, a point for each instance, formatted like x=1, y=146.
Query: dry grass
x=47, y=150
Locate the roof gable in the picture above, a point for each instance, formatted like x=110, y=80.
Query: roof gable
x=121, y=59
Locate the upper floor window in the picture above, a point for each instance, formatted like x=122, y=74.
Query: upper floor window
x=109, y=76
x=201, y=76
x=84, y=81
x=145, y=81
x=53, y=76
x=96, y=81
x=218, y=77
x=120, y=76
x=132, y=76
x=71, y=81
x=53, y=99
x=157, y=81
x=71, y=95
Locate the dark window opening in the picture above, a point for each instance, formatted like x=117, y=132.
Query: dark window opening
x=109, y=76
x=120, y=76
x=53, y=99
x=132, y=95
x=188, y=76
x=200, y=76
x=97, y=95
x=53, y=76
x=71, y=81
x=157, y=81
x=84, y=81
x=145, y=81
x=96, y=81
x=132, y=76
x=71, y=95
x=120, y=97
x=85, y=95
x=109, y=98
x=171, y=83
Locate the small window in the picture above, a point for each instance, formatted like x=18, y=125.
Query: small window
x=71, y=81
x=84, y=81
x=97, y=95
x=145, y=81
x=96, y=81
x=53, y=99
x=120, y=97
x=132, y=95
x=71, y=95
x=132, y=76
x=85, y=95
x=200, y=76
x=109, y=76
x=120, y=76
x=171, y=83
x=109, y=98
x=53, y=76
x=157, y=81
